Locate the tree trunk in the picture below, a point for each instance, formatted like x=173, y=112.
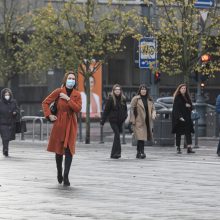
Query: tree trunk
x=87, y=90
x=186, y=78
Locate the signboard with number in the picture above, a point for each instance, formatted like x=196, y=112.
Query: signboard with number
x=147, y=52
x=203, y=4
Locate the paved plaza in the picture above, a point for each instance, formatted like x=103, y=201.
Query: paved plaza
x=161, y=187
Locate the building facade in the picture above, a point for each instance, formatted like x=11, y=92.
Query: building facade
x=123, y=69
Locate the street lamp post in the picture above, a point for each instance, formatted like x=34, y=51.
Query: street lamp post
x=199, y=97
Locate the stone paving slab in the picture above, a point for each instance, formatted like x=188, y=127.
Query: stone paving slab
x=164, y=186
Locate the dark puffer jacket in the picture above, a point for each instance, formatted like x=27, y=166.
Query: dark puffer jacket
x=7, y=118
x=116, y=113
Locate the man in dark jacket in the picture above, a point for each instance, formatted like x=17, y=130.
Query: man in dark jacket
x=9, y=112
x=218, y=112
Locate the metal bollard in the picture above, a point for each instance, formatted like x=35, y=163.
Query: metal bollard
x=101, y=135
x=47, y=129
x=22, y=134
x=196, y=134
x=80, y=127
x=217, y=122
x=41, y=129
x=123, y=134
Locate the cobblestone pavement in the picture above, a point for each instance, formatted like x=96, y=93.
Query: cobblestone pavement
x=163, y=186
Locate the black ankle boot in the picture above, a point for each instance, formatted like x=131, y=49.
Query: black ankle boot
x=190, y=151
x=59, y=177
x=5, y=153
x=143, y=155
x=138, y=155
x=66, y=181
x=178, y=150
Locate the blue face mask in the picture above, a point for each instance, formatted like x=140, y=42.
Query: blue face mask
x=70, y=83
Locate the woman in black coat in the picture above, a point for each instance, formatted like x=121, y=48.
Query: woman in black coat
x=181, y=117
x=116, y=110
x=9, y=112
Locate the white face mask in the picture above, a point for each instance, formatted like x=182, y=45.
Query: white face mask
x=7, y=97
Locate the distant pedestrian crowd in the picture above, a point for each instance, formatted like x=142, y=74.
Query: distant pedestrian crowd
x=63, y=104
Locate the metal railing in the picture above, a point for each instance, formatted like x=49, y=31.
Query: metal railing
x=34, y=119
x=35, y=131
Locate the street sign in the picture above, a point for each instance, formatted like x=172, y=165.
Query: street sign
x=204, y=4
x=204, y=15
x=147, y=51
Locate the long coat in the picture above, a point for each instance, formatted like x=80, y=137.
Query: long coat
x=64, y=131
x=181, y=111
x=138, y=120
x=7, y=119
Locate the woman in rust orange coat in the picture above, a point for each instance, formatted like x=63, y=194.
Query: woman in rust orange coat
x=64, y=132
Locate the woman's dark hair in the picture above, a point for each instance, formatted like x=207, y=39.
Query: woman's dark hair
x=143, y=86
x=66, y=76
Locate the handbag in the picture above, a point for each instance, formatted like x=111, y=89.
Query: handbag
x=53, y=107
x=20, y=127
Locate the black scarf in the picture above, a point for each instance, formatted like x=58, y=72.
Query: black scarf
x=69, y=91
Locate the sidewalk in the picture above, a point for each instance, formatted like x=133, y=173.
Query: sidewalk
x=161, y=187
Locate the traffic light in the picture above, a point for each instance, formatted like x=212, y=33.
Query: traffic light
x=157, y=77
x=205, y=58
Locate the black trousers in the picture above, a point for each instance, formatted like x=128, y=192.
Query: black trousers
x=5, y=144
x=116, y=147
x=218, y=148
x=188, y=139
x=140, y=146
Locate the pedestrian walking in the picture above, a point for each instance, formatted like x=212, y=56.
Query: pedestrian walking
x=9, y=114
x=218, y=117
x=181, y=117
x=141, y=117
x=64, y=132
x=116, y=110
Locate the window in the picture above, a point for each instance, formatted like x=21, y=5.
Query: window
x=116, y=71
